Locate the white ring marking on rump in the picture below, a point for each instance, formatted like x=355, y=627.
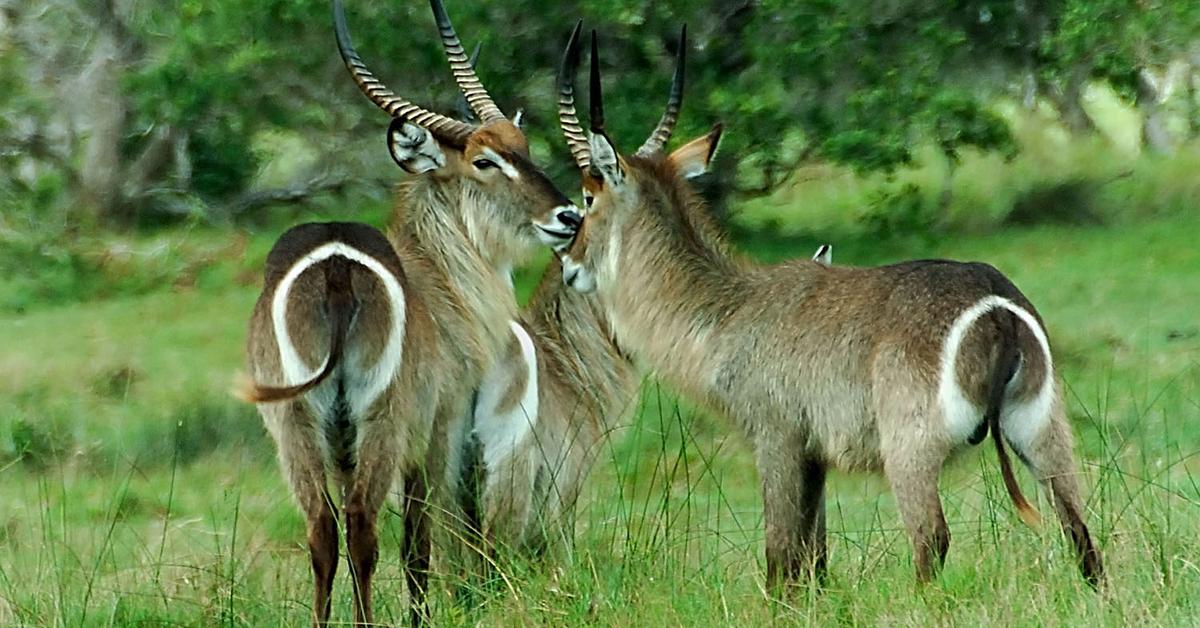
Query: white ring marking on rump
x=366, y=389
x=1020, y=422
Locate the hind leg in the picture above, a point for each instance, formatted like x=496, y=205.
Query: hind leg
x=369, y=488
x=914, y=481
x=1050, y=457
x=417, y=543
x=302, y=465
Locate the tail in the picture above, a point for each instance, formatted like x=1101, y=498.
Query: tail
x=340, y=300
x=1002, y=372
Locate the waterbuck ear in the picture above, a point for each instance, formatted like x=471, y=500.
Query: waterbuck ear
x=606, y=163
x=692, y=159
x=413, y=147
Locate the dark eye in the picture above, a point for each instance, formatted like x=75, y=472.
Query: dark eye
x=587, y=200
x=484, y=164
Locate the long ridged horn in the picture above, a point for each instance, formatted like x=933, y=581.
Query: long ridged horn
x=595, y=96
x=662, y=133
x=481, y=103
x=568, y=119
x=441, y=126
x=462, y=108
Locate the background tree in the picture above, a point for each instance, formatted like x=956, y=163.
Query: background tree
x=121, y=112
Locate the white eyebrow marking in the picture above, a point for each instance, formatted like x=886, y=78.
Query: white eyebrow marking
x=505, y=167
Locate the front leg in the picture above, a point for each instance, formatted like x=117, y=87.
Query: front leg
x=813, y=487
x=794, y=512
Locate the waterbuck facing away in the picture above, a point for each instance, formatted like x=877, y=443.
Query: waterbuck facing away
x=890, y=368
x=364, y=350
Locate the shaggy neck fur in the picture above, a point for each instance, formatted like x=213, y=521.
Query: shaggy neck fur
x=674, y=282
x=579, y=351
x=441, y=222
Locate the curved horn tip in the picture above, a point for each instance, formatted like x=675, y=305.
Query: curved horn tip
x=567, y=118
x=439, y=13
x=596, y=93
x=571, y=54
x=341, y=31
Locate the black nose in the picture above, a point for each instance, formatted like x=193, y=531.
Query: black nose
x=570, y=218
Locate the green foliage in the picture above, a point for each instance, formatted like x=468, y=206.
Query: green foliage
x=893, y=213
x=862, y=84
x=221, y=153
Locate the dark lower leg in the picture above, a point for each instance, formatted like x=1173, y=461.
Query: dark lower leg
x=793, y=508
x=323, y=550
x=1070, y=514
x=417, y=543
x=812, y=519
x=1050, y=456
x=362, y=544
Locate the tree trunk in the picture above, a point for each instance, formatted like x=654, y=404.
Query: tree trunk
x=1156, y=135
x=1070, y=104
x=100, y=119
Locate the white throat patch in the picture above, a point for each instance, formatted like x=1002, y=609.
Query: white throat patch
x=502, y=432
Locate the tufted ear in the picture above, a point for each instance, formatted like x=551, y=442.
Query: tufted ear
x=606, y=163
x=692, y=159
x=413, y=147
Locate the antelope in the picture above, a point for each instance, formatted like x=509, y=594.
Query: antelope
x=364, y=349
x=542, y=412
x=889, y=369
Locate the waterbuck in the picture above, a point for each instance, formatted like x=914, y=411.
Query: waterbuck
x=542, y=413
x=822, y=367
x=364, y=350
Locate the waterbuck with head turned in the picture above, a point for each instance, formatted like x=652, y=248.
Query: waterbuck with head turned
x=364, y=350
x=822, y=367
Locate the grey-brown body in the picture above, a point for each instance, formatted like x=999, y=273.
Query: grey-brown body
x=827, y=366
x=452, y=271
x=537, y=455
x=822, y=367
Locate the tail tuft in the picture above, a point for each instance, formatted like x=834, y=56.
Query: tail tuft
x=1029, y=514
x=244, y=388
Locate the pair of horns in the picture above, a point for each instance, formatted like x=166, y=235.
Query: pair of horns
x=569, y=120
x=464, y=74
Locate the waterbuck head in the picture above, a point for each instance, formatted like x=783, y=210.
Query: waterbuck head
x=646, y=191
x=489, y=161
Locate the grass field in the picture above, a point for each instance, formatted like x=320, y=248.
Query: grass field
x=136, y=491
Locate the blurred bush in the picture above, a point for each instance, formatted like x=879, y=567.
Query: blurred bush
x=115, y=109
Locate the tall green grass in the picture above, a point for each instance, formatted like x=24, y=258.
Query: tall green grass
x=135, y=491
